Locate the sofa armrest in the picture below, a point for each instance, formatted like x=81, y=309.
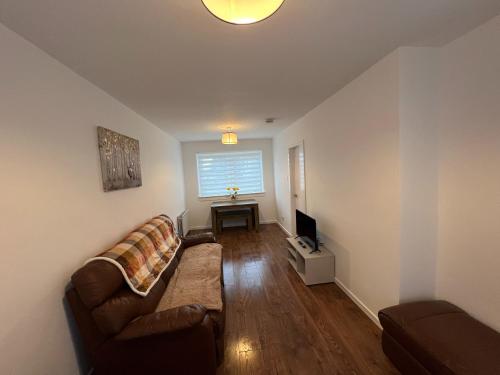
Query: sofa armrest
x=198, y=239
x=164, y=322
x=175, y=341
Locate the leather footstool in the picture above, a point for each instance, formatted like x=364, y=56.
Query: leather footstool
x=436, y=337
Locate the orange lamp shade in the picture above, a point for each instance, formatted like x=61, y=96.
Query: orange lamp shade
x=229, y=138
x=242, y=12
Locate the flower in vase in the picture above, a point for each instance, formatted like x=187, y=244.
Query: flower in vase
x=233, y=192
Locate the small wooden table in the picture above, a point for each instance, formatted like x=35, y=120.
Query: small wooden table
x=216, y=207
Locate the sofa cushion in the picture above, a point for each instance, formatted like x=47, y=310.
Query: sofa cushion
x=197, y=279
x=123, y=307
x=443, y=338
x=173, y=320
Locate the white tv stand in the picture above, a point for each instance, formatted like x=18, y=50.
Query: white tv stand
x=312, y=268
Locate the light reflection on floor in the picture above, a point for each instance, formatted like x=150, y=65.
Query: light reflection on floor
x=277, y=326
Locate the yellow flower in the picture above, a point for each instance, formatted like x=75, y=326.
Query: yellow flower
x=236, y=188
x=228, y=188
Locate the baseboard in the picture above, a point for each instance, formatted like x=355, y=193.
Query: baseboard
x=271, y=221
x=204, y=227
x=284, y=229
x=199, y=228
x=347, y=291
x=359, y=303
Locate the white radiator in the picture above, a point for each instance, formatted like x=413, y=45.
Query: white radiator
x=183, y=223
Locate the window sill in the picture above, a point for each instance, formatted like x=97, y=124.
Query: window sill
x=227, y=198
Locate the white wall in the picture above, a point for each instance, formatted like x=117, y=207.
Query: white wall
x=352, y=180
x=403, y=175
x=469, y=163
x=199, y=208
x=418, y=79
x=54, y=213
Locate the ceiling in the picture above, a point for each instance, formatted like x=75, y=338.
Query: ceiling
x=192, y=75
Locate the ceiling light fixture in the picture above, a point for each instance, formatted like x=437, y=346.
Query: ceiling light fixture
x=242, y=12
x=229, y=138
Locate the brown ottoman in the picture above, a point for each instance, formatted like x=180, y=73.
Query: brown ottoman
x=436, y=337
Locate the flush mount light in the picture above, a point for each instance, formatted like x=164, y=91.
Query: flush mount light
x=229, y=138
x=242, y=12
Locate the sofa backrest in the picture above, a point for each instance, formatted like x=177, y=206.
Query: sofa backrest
x=107, y=298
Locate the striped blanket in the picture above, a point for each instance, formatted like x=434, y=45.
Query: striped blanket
x=144, y=254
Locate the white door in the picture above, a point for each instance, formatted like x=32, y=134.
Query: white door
x=297, y=178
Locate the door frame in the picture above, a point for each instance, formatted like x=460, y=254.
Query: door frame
x=291, y=164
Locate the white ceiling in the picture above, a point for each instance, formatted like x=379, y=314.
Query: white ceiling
x=191, y=74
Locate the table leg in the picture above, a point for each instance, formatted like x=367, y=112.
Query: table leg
x=256, y=217
x=214, y=221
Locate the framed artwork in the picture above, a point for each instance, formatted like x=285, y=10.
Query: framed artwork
x=120, y=160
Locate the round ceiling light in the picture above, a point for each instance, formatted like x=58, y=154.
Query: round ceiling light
x=242, y=12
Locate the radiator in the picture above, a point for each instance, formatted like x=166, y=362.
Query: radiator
x=183, y=223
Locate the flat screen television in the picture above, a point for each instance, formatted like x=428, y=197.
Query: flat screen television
x=306, y=229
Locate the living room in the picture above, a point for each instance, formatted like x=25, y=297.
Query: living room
x=375, y=126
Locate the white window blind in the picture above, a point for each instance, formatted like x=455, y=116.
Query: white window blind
x=218, y=171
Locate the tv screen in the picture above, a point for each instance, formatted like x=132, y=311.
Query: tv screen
x=306, y=229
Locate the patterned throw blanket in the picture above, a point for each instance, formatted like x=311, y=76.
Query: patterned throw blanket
x=144, y=254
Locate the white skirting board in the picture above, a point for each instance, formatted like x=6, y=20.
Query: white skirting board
x=347, y=291
x=284, y=229
x=359, y=303
x=199, y=228
x=272, y=221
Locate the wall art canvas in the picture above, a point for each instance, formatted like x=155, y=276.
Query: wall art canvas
x=120, y=160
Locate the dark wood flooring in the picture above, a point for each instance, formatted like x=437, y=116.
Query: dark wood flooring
x=277, y=325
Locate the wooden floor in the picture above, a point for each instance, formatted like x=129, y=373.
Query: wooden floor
x=277, y=325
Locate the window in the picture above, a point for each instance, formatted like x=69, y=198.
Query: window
x=217, y=171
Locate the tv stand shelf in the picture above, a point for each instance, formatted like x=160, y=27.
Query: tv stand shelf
x=312, y=268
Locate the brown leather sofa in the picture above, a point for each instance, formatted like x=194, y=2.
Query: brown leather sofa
x=436, y=337
x=123, y=335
